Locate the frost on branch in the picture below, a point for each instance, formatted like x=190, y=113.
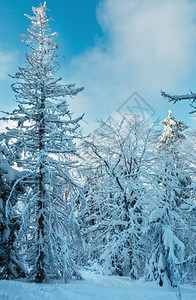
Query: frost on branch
x=176, y=98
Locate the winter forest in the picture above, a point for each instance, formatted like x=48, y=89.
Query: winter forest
x=120, y=201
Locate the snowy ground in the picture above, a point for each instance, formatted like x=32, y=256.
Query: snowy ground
x=94, y=287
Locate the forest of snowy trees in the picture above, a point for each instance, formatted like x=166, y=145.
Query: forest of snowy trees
x=121, y=201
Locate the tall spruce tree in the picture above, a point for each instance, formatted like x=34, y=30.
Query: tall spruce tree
x=167, y=221
x=42, y=142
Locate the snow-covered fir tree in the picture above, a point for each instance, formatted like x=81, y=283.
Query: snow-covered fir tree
x=174, y=150
x=167, y=251
x=168, y=222
x=189, y=234
x=170, y=143
x=172, y=133
x=43, y=143
x=118, y=190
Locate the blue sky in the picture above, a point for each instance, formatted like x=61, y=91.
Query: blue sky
x=113, y=48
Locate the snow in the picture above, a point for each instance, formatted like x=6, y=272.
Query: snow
x=156, y=214
x=93, y=287
x=171, y=242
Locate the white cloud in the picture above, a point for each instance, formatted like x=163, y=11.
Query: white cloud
x=154, y=38
x=147, y=45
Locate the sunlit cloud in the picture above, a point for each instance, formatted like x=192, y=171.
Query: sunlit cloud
x=147, y=46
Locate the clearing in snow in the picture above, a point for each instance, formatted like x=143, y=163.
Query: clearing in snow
x=93, y=287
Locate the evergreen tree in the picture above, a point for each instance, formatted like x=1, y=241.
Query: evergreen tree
x=167, y=251
x=168, y=222
x=170, y=147
x=189, y=206
x=42, y=142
